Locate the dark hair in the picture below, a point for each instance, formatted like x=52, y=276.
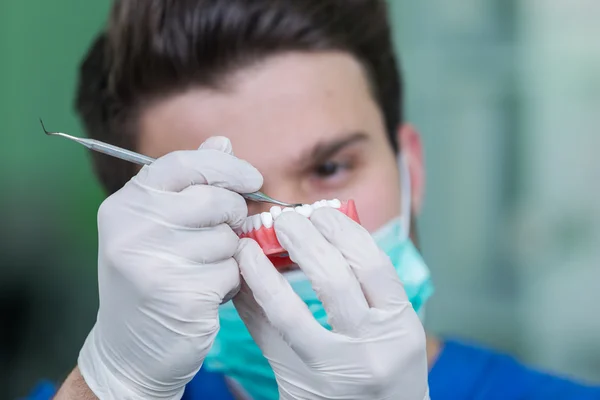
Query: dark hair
x=153, y=48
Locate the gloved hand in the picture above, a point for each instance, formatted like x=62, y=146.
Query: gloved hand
x=165, y=264
x=376, y=350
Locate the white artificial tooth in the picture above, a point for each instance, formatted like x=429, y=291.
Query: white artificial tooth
x=308, y=210
x=275, y=211
x=267, y=219
x=239, y=231
x=245, y=226
x=287, y=209
x=335, y=203
x=324, y=203
x=302, y=210
x=317, y=204
x=256, y=222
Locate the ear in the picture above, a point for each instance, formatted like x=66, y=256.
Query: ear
x=411, y=147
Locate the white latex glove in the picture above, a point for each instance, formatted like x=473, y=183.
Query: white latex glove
x=377, y=348
x=165, y=264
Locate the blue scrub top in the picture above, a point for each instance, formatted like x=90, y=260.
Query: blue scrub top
x=463, y=371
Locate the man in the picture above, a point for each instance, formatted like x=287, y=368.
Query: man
x=309, y=98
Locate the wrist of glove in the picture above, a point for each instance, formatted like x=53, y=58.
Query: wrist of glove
x=108, y=379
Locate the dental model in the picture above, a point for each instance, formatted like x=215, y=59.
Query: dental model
x=260, y=227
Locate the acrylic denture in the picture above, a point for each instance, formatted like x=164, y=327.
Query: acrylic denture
x=260, y=226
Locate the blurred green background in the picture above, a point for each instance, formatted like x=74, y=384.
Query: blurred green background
x=507, y=96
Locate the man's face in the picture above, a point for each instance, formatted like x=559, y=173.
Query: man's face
x=307, y=122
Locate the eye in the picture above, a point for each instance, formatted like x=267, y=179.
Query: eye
x=328, y=169
x=328, y=176
x=331, y=172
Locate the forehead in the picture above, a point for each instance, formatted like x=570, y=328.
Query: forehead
x=273, y=112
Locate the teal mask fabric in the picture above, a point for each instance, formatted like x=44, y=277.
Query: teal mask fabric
x=234, y=352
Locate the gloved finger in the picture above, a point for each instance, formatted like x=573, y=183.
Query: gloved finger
x=255, y=319
x=195, y=207
x=225, y=287
x=373, y=268
x=188, y=287
x=187, y=293
x=281, y=306
x=181, y=169
x=329, y=273
x=266, y=336
x=253, y=315
x=220, y=143
x=202, y=246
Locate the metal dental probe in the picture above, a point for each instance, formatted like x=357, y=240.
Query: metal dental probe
x=141, y=159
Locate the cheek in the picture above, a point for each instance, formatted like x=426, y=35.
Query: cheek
x=378, y=200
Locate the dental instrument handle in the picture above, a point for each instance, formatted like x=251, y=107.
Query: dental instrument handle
x=263, y=198
x=118, y=152
x=136, y=158
x=141, y=159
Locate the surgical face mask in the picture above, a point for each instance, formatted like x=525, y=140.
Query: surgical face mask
x=234, y=352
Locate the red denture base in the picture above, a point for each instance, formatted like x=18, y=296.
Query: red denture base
x=267, y=239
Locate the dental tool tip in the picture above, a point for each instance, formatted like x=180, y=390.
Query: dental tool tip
x=44, y=128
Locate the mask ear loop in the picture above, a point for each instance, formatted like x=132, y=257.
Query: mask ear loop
x=406, y=198
x=406, y=195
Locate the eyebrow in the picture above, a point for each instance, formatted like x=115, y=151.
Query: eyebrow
x=324, y=150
